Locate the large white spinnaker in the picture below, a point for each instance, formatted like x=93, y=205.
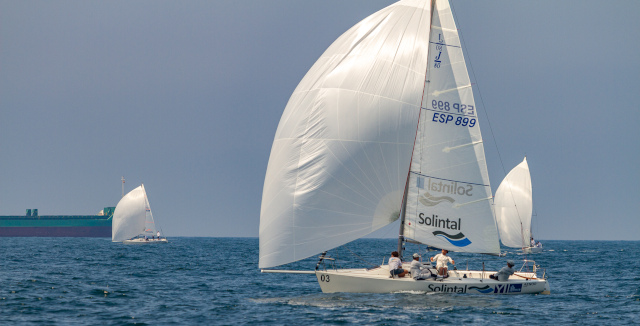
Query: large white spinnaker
x=131, y=215
x=448, y=203
x=341, y=154
x=514, y=206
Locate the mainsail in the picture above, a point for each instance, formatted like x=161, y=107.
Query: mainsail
x=149, y=223
x=514, y=206
x=341, y=154
x=448, y=203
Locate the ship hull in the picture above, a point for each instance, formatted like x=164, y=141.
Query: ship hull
x=52, y=231
x=56, y=226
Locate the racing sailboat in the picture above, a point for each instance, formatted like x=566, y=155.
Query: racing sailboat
x=384, y=126
x=133, y=221
x=513, y=207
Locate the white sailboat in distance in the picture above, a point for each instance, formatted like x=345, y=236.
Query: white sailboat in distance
x=133, y=221
x=514, y=207
x=384, y=126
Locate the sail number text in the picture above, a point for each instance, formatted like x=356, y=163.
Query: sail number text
x=324, y=278
x=453, y=107
x=459, y=121
x=456, y=109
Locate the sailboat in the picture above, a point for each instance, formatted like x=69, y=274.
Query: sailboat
x=133, y=221
x=384, y=127
x=513, y=207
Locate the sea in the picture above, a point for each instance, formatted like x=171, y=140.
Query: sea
x=216, y=281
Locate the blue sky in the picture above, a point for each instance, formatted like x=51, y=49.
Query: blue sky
x=186, y=96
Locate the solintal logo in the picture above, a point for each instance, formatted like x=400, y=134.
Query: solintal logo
x=458, y=240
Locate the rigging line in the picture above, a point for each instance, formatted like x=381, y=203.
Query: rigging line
x=478, y=88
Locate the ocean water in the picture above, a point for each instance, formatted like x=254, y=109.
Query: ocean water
x=216, y=281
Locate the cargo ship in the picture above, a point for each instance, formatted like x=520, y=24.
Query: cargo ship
x=34, y=225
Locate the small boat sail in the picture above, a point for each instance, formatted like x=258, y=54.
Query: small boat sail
x=132, y=220
x=513, y=206
x=384, y=126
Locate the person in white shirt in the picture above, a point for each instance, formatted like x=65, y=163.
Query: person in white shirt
x=395, y=266
x=442, y=261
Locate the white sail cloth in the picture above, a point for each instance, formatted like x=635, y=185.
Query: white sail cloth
x=132, y=216
x=514, y=206
x=448, y=203
x=341, y=154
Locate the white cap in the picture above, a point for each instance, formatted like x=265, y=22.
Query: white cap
x=510, y=262
x=416, y=255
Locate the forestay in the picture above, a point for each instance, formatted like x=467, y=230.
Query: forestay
x=448, y=203
x=514, y=206
x=341, y=153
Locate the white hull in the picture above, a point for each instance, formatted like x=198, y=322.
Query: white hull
x=532, y=250
x=378, y=281
x=143, y=241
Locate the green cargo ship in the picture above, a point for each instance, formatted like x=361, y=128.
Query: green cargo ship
x=34, y=225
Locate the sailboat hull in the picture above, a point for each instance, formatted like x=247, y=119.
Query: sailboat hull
x=143, y=241
x=532, y=250
x=476, y=282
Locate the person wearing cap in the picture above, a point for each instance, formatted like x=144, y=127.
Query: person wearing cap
x=416, y=269
x=442, y=261
x=395, y=266
x=504, y=273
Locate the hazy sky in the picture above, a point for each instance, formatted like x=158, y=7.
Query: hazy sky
x=186, y=96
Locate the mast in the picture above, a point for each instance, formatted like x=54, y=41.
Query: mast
x=402, y=214
x=122, y=187
x=406, y=187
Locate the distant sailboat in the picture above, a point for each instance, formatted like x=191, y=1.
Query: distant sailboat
x=383, y=126
x=133, y=221
x=513, y=206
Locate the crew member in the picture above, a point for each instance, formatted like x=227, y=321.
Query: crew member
x=442, y=261
x=395, y=266
x=504, y=273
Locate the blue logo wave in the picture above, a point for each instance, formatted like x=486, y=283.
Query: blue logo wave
x=453, y=239
x=484, y=289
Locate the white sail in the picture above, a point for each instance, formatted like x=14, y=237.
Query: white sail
x=130, y=215
x=341, y=154
x=149, y=223
x=513, y=206
x=448, y=202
